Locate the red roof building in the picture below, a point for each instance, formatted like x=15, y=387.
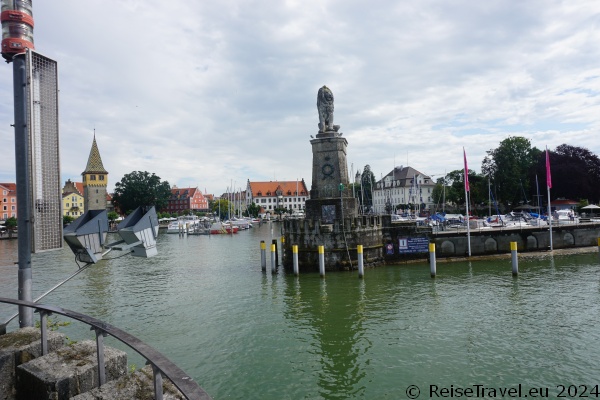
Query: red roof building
x=8, y=200
x=185, y=200
x=277, y=194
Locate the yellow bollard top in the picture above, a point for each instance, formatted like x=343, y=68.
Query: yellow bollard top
x=432, y=247
x=321, y=249
x=263, y=245
x=294, y=248
x=513, y=246
x=273, y=248
x=359, y=248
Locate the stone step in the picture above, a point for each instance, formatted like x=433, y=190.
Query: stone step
x=137, y=385
x=67, y=372
x=17, y=348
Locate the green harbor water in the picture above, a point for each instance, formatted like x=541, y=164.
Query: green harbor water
x=243, y=334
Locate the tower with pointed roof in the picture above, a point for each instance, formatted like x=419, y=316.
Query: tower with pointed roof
x=95, y=181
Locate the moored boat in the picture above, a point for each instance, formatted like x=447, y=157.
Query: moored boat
x=183, y=224
x=222, y=228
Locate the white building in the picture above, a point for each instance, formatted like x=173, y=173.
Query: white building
x=277, y=194
x=402, y=186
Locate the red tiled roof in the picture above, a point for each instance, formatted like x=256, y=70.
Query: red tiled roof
x=177, y=191
x=285, y=186
x=9, y=186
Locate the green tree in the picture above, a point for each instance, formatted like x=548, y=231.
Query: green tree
x=141, y=189
x=11, y=225
x=509, y=167
x=575, y=173
x=112, y=216
x=253, y=210
x=221, y=208
x=67, y=219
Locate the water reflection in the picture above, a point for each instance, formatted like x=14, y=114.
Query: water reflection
x=335, y=318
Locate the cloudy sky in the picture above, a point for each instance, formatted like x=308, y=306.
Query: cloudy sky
x=210, y=93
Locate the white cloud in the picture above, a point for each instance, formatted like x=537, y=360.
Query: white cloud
x=209, y=93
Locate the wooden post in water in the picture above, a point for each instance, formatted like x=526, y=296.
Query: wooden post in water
x=322, y=261
x=295, y=254
x=432, y=260
x=273, y=257
x=263, y=256
x=515, y=260
x=361, y=266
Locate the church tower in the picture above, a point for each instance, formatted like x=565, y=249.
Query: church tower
x=95, y=181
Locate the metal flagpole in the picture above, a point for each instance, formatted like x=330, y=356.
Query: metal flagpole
x=549, y=185
x=467, y=201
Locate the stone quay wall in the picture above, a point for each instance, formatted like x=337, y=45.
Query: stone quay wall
x=486, y=241
x=492, y=241
x=381, y=240
x=339, y=239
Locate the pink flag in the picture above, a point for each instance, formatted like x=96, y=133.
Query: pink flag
x=466, y=171
x=548, y=176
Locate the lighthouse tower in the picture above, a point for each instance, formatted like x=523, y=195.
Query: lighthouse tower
x=95, y=181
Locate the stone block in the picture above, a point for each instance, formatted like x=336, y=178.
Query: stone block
x=137, y=385
x=19, y=347
x=67, y=372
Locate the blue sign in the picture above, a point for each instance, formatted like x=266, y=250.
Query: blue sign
x=409, y=245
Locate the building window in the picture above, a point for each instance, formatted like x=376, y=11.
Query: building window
x=92, y=177
x=67, y=205
x=101, y=177
x=96, y=201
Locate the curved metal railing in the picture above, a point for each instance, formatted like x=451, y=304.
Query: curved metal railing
x=160, y=364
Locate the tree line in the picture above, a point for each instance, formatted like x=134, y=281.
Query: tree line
x=514, y=174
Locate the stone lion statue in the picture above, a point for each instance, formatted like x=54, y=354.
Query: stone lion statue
x=325, y=108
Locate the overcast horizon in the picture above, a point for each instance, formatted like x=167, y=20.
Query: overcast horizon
x=211, y=94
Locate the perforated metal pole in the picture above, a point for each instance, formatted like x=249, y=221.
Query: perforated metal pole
x=23, y=198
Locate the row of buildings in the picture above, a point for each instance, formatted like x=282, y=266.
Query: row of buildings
x=403, y=185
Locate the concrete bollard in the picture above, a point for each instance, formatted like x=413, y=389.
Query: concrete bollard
x=361, y=265
x=263, y=256
x=295, y=254
x=432, y=260
x=273, y=261
x=514, y=258
x=322, y=261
